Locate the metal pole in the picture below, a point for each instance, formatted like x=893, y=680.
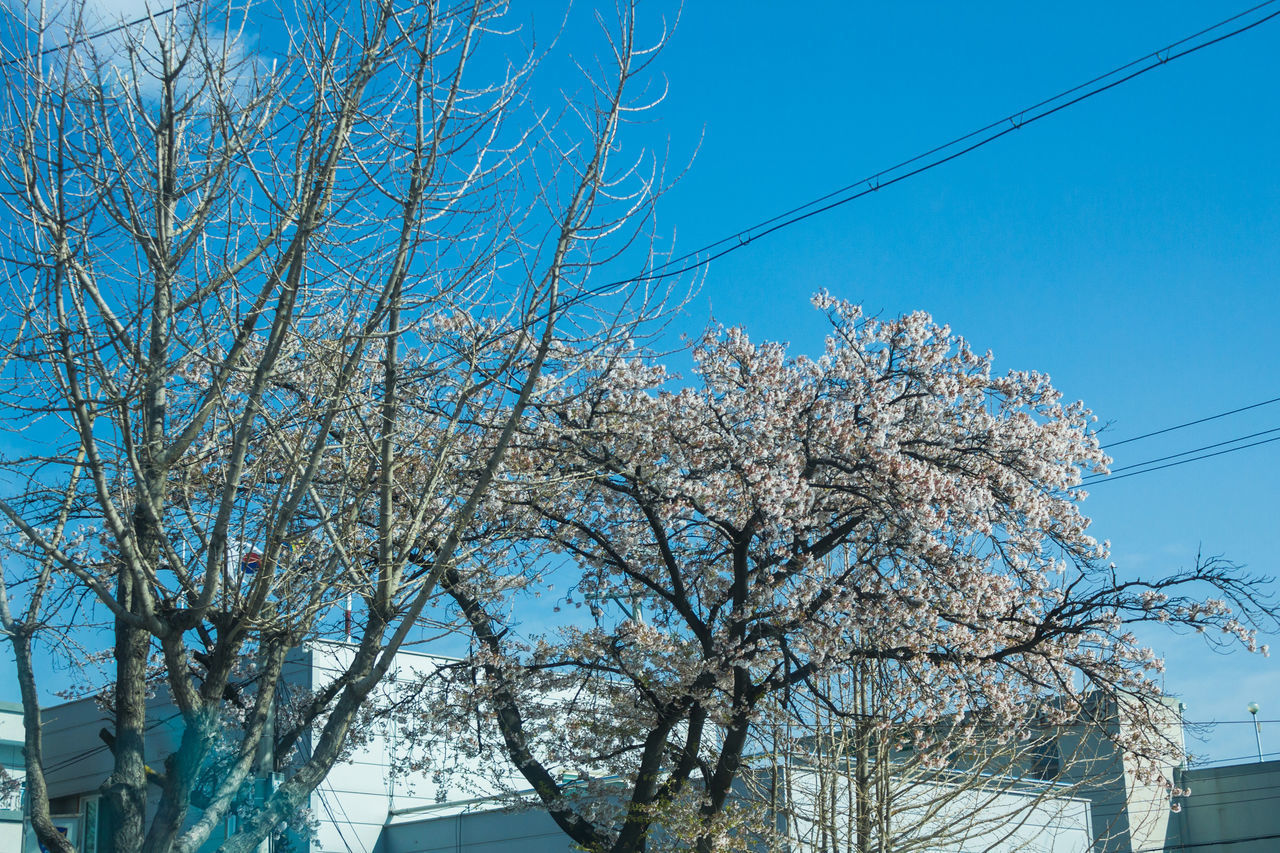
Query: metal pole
x=1257, y=728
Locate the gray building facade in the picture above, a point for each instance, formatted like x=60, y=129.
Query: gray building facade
x=1232, y=809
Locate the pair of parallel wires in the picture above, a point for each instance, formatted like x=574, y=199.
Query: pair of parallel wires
x=1195, y=454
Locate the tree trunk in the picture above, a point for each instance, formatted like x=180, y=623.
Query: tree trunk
x=125, y=791
x=33, y=747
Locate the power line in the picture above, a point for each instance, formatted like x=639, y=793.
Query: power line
x=1191, y=423
x=1097, y=477
x=1229, y=763
x=333, y=819
x=123, y=25
x=964, y=144
x=1104, y=479
x=1240, y=765
x=1173, y=845
x=1110, y=477
x=76, y=758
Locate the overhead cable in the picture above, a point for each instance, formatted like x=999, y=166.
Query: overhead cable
x=951, y=150
x=1192, y=423
x=1105, y=479
x=1183, y=453
x=123, y=25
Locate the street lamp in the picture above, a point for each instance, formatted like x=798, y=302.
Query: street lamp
x=1257, y=727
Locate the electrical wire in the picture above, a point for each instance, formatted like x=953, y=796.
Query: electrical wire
x=703, y=256
x=1245, y=766
x=995, y=130
x=1111, y=476
x=1104, y=479
x=1183, y=453
x=1249, y=760
x=699, y=258
x=1192, y=423
x=333, y=819
x=123, y=25
x=75, y=758
x=1174, y=846
x=346, y=818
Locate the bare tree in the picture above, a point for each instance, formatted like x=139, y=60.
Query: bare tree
x=254, y=274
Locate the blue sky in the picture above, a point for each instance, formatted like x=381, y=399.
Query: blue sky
x=1128, y=246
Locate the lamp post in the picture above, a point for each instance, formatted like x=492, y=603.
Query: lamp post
x=1257, y=727
x=1182, y=732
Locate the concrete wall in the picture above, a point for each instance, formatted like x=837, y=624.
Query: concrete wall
x=1128, y=815
x=1150, y=814
x=1233, y=809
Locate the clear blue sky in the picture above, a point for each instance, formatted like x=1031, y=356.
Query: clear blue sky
x=1128, y=246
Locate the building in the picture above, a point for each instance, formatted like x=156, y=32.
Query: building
x=1127, y=814
x=1232, y=809
x=367, y=805
x=11, y=780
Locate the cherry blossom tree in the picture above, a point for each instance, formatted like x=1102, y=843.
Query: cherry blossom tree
x=777, y=523
x=249, y=274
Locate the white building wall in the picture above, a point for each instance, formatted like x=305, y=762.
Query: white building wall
x=354, y=803
x=12, y=736
x=937, y=816
x=462, y=831
x=11, y=728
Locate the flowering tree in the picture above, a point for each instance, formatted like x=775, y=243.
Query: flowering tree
x=248, y=275
x=782, y=520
